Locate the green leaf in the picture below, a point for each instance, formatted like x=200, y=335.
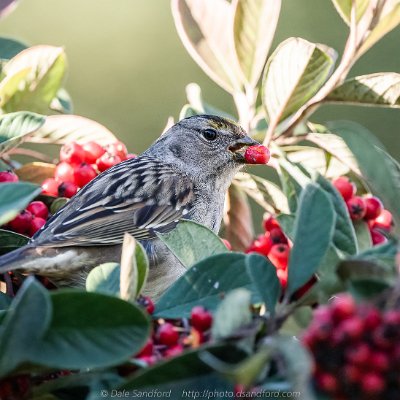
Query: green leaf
x=385, y=180
x=60, y=129
x=204, y=28
x=232, y=314
x=5, y=301
x=383, y=254
x=380, y=89
x=24, y=325
x=185, y=372
x=192, y=242
x=263, y=274
x=47, y=65
x=343, y=7
x=344, y=236
x=286, y=221
x=14, y=197
x=10, y=47
x=206, y=283
x=389, y=20
x=90, y=330
x=363, y=235
x=253, y=36
x=15, y=127
x=365, y=289
x=300, y=68
x=313, y=231
x=104, y=279
x=298, y=363
x=10, y=241
x=267, y=194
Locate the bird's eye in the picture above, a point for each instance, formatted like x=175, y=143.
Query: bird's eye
x=210, y=134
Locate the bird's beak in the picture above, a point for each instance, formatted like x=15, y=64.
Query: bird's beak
x=239, y=147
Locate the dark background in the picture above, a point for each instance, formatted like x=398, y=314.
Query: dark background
x=128, y=69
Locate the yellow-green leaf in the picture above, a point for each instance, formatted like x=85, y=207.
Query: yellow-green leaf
x=343, y=7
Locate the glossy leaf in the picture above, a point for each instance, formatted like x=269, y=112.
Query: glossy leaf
x=263, y=275
x=89, y=330
x=238, y=227
x=47, y=65
x=344, y=236
x=104, y=279
x=10, y=241
x=363, y=235
x=60, y=129
x=254, y=28
x=204, y=28
x=10, y=47
x=205, y=284
x=344, y=8
x=232, y=314
x=192, y=242
x=36, y=172
x=313, y=232
x=15, y=127
x=380, y=89
x=25, y=323
x=385, y=180
x=14, y=197
x=389, y=20
x=301, y=68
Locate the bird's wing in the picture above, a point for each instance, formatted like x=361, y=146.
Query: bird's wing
x=140, y=196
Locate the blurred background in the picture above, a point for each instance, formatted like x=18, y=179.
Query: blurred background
x=128, y=69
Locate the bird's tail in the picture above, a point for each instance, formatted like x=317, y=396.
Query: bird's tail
x=14, y=259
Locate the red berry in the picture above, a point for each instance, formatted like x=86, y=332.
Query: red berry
x=270, y=223
x=227, y=244
x=279, y=255
x=8, y=176
x=117, y=149
x=377, y=237
x=278, y=236
x=72, y=153
x=147, y=349
x=200, y=318
x=327, y=382
x=372, y=319
x=352, y=373
x=36, y=224
x=173, y=351
x=372, y=383
x=356, y=207
x=167, y=334
x=38, y=209
x=93, y=151
x=64, y=172
x=346, y=188
x=21, y=223
x=261, y=245
x=358, y=354
x=107, y=161
x=130, y=155
x=373, y=207
x=351, y=328
x=147, y=303
x=257, y=155
x=379, y=361
x=67, y=189
x=343, y=306
x=383, y=221
x=283, y=277
x=50, y=187
x=83, y=174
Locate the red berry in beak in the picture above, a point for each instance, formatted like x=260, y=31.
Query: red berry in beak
x=257, y=155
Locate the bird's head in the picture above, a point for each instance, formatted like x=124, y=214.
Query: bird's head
x=205, y=144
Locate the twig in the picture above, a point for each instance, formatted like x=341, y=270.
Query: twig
x=31, y=153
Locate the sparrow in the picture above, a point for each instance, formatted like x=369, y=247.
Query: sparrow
x=185, y=174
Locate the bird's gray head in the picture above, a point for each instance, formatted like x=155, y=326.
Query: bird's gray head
x=204, y=145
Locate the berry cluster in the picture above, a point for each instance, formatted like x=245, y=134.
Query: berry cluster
x=274, y=245
x=171, y=337
x=368, y=208
x=79, y=164
x=30, y=220
x=356, y=349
